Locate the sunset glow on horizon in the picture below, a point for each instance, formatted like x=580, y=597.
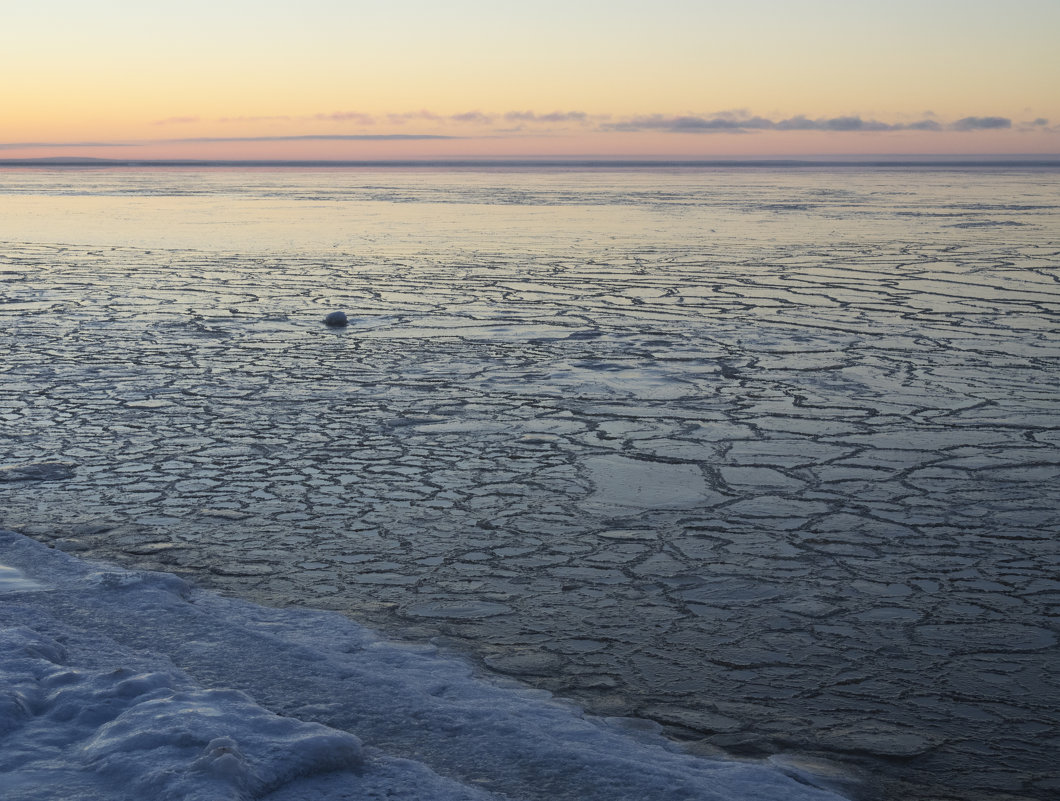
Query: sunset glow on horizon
x=469, y=79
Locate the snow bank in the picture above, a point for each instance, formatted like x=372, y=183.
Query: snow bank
x=128, y=685
x=141, y=732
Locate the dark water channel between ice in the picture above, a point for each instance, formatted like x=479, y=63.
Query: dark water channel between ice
x=769, y=457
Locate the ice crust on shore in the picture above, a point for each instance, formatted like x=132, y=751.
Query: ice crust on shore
x=119, y=684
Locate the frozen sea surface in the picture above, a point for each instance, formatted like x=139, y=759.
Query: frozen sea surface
x=119, y=684
x=769, y=457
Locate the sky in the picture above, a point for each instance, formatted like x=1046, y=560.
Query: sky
x=411, y=79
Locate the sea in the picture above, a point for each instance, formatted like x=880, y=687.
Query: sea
x=767, y=455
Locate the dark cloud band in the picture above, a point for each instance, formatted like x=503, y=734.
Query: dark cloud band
x=734, y=122
x=727, y=123
x=982, y=124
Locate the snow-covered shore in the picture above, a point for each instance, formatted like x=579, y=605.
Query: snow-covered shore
x=118, y=684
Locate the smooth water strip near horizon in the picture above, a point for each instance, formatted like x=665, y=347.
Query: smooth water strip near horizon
x=768, y=457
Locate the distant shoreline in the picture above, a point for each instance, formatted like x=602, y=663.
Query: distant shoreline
x=881, y=162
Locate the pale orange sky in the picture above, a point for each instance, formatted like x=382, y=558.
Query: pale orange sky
x=333, y=79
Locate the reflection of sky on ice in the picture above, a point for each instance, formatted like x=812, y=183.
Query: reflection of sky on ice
x=435, y=211
x=126, y=685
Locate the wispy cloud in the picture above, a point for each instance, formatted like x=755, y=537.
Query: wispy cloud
x=400, y=118
x=729, y=122
x=732, y=122
x=478, y=124
x=848, y=123
x=659, y=122
x=215, y=139
x=981, y=124
x=403, y=117
x=28, y=145
x=924, y=125
x=1038, y=125
x=550, y=118
x=263, y=118
x=309, y=138
x=474, y=117
x=486, y=118
x=347, y=116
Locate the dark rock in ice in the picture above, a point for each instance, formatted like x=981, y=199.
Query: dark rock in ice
x=336, y=319
x=36, y=471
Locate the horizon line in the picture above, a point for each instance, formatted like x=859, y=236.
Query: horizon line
x=882, y=160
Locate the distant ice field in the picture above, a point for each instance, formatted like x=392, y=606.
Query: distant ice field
x=770, y=457
x=368, y=212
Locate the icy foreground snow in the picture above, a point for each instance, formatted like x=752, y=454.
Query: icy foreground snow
x=128, y=685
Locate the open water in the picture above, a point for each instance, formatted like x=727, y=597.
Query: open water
x=770, y=456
